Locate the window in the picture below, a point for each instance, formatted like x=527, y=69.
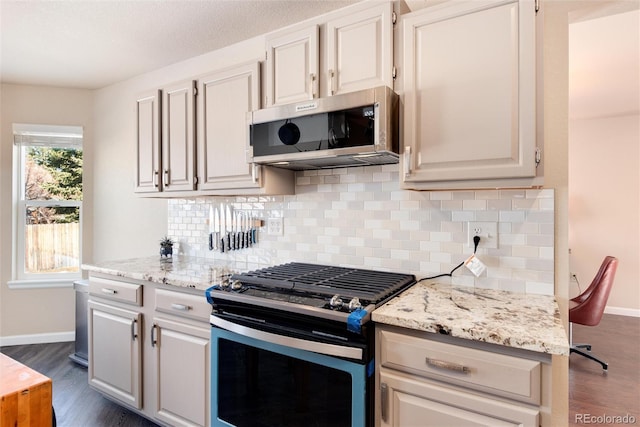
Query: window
x=48, y=203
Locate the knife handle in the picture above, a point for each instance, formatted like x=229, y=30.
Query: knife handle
x=210, y=241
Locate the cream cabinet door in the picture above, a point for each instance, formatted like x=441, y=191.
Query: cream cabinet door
x=178, y=136
x=225, y=99
x=182, y=365
x=292, y=66
x=359, y=51
x=147, y=179
x=408, y=402
x=469, y=92
x=115, y=356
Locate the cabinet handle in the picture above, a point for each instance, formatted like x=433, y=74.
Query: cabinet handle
x=384, y=400
x=332, y=82
x=255, y=172
x=134, y=334
x=312, y=85
x=155, y=178
x=180, y=307
x=154, y=341
x=443, y=364
x=166, y=177
x=407, y=161
x=109, y=291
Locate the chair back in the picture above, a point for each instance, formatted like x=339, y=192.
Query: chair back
x=589, y=306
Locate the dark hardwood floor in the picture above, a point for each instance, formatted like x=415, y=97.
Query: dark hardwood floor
x=592, y=392
x=616, y=392
x=74, y=402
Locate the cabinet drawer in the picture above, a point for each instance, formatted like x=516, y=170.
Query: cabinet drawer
x=116, y=290
x=489, y=372
x=182, y=304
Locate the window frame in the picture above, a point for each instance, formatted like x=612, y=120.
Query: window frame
x=25, y=136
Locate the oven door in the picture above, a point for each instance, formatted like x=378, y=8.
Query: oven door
x=264, y=384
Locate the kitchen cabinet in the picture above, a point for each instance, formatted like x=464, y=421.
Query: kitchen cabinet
x=160, y=370
x=181, y=358
x=115, y=340
x=225, y=98
x=428, y=380
x=165, y=142
x=177, y=158
x=356, y=49
x=469, y=81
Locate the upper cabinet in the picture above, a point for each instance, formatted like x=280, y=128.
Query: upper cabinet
x=292, y=66
x=470, y=95
x=171, y=148
x=165, y=143
x=178, y=137
x=359, y=51
x=147, y=179
x=225, y=98
x=356, y=50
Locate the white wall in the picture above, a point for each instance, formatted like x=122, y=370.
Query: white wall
x=604, y=152
x=41, y=311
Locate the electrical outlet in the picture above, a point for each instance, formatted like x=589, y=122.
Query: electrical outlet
x=275, y=226
x=488, y=232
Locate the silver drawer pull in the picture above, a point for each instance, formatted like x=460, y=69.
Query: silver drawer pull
x=443, y=364
x=180, y=307
x=109, y=291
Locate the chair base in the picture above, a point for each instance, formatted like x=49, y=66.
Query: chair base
x=577, y=349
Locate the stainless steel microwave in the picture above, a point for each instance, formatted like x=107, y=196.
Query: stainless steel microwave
x=352, y=129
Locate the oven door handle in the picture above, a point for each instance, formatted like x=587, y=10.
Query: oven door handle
x=300, y=344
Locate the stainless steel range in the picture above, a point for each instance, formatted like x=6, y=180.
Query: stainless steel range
x=293, y=345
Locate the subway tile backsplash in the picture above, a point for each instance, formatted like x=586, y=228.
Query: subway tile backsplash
x=359, y=217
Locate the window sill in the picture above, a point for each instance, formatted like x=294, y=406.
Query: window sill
x=43, y=283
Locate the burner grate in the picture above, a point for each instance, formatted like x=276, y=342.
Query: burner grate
x=367, y=285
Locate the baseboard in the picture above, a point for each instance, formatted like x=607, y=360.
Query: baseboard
x=621, y=311
x=38, y=338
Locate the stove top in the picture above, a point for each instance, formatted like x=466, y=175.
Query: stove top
x=312, y=289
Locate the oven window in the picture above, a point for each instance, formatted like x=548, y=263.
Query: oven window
x=257, y=387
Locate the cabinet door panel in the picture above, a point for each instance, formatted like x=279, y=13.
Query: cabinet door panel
x=413, y=402
x=115, y=352
x=225, y=99
x=292, y=67
x=182, y=360
x=147, y=179
x=178, y=138
x=360, y=51
x=470, y=91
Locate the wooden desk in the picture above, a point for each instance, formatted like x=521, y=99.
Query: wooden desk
x=25, y=395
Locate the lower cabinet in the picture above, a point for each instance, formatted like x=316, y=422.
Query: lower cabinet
x=149, y=349
x=182, y=391
x=115, y=352
x=423, y=379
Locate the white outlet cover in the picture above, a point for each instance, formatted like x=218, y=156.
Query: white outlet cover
x=488, y=232
x=275, y=226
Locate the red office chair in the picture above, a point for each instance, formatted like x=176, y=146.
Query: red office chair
x=588, y=307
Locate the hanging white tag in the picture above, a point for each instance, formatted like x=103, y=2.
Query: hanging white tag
x=475, y=265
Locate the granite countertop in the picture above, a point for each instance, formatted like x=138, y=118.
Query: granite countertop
x=525, y=321
x=181, y=271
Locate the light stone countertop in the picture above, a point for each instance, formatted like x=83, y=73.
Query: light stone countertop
x=525, y=321
x=185, y=272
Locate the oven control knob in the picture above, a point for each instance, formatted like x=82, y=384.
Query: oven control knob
x=354, y=304
x=336, y=301
x=224, y=284
x=236, y=285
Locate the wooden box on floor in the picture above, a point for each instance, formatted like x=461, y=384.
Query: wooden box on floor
x=25, y=395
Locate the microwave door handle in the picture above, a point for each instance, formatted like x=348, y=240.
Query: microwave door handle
x=297, y=343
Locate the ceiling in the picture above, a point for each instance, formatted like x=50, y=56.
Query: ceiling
x=92, y=44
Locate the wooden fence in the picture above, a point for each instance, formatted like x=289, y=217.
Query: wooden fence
x=52, y=248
